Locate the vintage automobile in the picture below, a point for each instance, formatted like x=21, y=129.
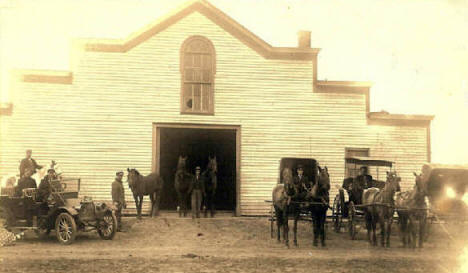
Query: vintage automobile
x=62, y=212
x=343, y=205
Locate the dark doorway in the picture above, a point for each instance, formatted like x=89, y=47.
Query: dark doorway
x=198, y=144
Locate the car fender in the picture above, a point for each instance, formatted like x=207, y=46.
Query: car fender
x=71, y=211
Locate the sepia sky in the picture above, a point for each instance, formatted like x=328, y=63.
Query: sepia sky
x=414, y=52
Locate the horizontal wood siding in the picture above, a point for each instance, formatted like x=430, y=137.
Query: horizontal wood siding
x=103, y=121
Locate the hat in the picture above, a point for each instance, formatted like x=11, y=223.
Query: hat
x=51, y=170
x=198, y=168
x=119, y=172
x=300, y=167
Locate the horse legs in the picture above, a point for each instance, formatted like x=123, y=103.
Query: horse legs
x=180, y=203
x=296, y=219
x=157, y=200
x=135, y=197
x=315, y=221
x=323, y=217
x=403, y=223
x=389, y=231
x=140, y=206
x=368, y=218
x=286, y=226
x=422, y=229
x=152, y=204
x=374, y=226
x=279, y=220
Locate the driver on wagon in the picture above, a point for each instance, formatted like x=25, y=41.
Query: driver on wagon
x=301, y=183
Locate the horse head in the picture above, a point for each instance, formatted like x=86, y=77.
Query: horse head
x=132, y=177
x=393, y=181
x=212, y=164
x=323, y=178
x=182, y=163
x=421, y=187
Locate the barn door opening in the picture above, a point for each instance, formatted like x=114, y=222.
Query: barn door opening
x=198, y=144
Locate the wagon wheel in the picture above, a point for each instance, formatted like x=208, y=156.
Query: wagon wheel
x=337, y=214
x=65, y=228
x=107, y=226
x=352, y=221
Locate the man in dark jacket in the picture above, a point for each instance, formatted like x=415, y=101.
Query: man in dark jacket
x=25, y=182
x=47, y=185
x=301, y=183
x=28, y=163
x=118, y=198
x=197, y=189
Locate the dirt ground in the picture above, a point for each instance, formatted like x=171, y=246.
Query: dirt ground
x=227, y=244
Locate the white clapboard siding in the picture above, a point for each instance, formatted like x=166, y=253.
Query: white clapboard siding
x=102, y=122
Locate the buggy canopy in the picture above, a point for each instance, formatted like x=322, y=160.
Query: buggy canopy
x=369, y=161
x=439, y=176
x=309, y=166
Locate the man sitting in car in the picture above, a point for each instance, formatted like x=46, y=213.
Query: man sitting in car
x=48, y=185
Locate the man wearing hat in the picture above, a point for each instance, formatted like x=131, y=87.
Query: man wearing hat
x=28, y=163
x=118, y=198
x=47, y=185
x=197, y=189
x=302, y=184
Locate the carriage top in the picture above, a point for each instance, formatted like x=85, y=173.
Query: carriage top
x=369, y=161
x=309, y=166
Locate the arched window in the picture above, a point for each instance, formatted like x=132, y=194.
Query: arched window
x=198, y=67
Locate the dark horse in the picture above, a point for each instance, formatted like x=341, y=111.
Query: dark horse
x=140, y=185
x=319, y=194
x=182, y=182
x=412, y=213
x=210, y=180
x=379, y=207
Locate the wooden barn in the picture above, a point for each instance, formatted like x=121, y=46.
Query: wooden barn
x=198, y=82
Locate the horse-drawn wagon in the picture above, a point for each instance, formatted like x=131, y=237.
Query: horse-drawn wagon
x=306, y=200
x=347, y=204
x=62, y=211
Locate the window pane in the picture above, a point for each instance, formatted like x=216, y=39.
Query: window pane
x=196, y=60
x=188, y=60
x=206, y=97
x=196, y=97
x=206, y=76
x=207, y=61
x=197, y=75
x=188, y=75
x=187, y=101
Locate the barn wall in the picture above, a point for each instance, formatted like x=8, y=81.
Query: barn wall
x=103, y=121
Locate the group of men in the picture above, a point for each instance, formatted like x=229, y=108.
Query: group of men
x=49, y=183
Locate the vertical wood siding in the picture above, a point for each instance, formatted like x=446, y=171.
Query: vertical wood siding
x=103, y=121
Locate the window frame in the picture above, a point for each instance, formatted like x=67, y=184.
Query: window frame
x=211, y=105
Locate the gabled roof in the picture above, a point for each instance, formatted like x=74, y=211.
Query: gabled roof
x=217, y=16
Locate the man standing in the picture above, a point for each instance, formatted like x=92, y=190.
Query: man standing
x=28, y=163
x=197, y=189
x=118, y=198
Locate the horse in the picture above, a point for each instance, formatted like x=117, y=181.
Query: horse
x=412, y=214
x=182, y=182
x=210, y=179
x=319, y=193
x=140, y=185
x=281, y=203
x=379, y=207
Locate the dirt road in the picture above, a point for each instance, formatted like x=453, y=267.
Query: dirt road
x=225, y=244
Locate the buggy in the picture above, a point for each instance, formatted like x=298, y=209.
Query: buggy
x=62, y=212
x=345, y=205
